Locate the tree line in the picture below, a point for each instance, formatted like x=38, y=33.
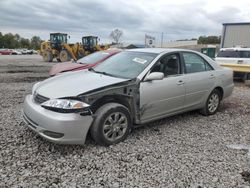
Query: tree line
x=209, y=40
x=12, y=41
x=206, y=39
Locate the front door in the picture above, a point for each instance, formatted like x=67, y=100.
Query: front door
x=161, y=97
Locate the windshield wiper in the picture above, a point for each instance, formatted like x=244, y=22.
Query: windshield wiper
x=104, y=73
x=91, y=69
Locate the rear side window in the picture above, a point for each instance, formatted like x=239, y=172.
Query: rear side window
x=234, y=54
x=245, y=54
x=195, y=63
x=228, y=54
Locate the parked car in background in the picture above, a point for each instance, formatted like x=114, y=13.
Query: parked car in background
x=130, y=88
x=233, y=56
x=34, y=52
x=5, y=52
x=83, y=63
x=16, y=52
x=24, y=51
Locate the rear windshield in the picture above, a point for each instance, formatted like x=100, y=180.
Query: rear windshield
x=239, y=54
x=93, y=58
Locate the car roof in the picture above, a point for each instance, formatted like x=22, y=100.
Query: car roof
x=112, y=50
x=235, y=49
x=157, y=50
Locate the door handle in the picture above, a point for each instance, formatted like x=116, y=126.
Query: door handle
x=180, y=82
x=240, y=61
x=211, y=76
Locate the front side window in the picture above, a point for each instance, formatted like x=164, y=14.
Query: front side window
x=168, y=65
x=195, y=63
x=127, y=64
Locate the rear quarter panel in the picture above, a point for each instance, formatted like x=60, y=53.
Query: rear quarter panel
x=225, y=80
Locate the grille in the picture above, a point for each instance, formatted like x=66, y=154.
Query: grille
x=40, y=99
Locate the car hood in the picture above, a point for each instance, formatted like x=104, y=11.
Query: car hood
x=66, y=66
x=71, y=84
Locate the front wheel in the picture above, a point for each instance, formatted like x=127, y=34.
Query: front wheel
x=212, y=104
x=64, y=56
x=48, y=56
x=111, y=125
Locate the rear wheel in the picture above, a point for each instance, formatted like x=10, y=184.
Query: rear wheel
x=47, y=56
x=64, y=56
x=212, y=104
x=80, y=55
x=111, y=125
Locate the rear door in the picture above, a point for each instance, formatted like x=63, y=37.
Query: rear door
x=245, y=57
x=199, y=79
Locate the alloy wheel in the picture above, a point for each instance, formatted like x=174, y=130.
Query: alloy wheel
x=115, y=126
x=213, y=102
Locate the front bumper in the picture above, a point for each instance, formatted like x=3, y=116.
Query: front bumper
x=63, y=128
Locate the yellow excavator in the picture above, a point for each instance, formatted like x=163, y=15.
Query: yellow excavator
x=57, y=47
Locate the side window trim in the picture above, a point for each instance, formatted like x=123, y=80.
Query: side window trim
x=208, y=65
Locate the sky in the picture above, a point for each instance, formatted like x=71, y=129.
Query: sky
x=177, y=19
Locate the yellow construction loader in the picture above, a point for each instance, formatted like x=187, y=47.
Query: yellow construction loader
x=57, y=47
x=91, y=45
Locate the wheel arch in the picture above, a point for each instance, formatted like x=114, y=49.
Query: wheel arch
x=220, y=89
x=120, y=99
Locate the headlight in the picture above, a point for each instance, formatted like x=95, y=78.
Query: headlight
x=65, y=105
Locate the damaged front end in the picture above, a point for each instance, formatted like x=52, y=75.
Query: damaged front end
x=126, y=93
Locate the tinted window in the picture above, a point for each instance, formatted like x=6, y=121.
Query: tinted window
x=245, y=54
x=169, y=65
x=228, y=54
x=195, y=63
x=126, y=64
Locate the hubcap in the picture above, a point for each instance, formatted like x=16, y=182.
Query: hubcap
x=64, y=56
x=213, y=102
x=115, y=126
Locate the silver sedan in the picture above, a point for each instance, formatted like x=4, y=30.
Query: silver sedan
x=130, y=88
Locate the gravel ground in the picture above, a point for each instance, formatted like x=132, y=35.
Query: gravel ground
x=187, y=150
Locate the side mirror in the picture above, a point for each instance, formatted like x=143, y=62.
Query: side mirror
x=155, y=76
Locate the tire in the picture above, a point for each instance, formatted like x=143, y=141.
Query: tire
x=47, y=56
x=106, y=129
x=212, y=103
x=64, y=56
x=79, y=55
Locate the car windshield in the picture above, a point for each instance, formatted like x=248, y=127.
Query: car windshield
x=93, y=58
x=126, y=64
